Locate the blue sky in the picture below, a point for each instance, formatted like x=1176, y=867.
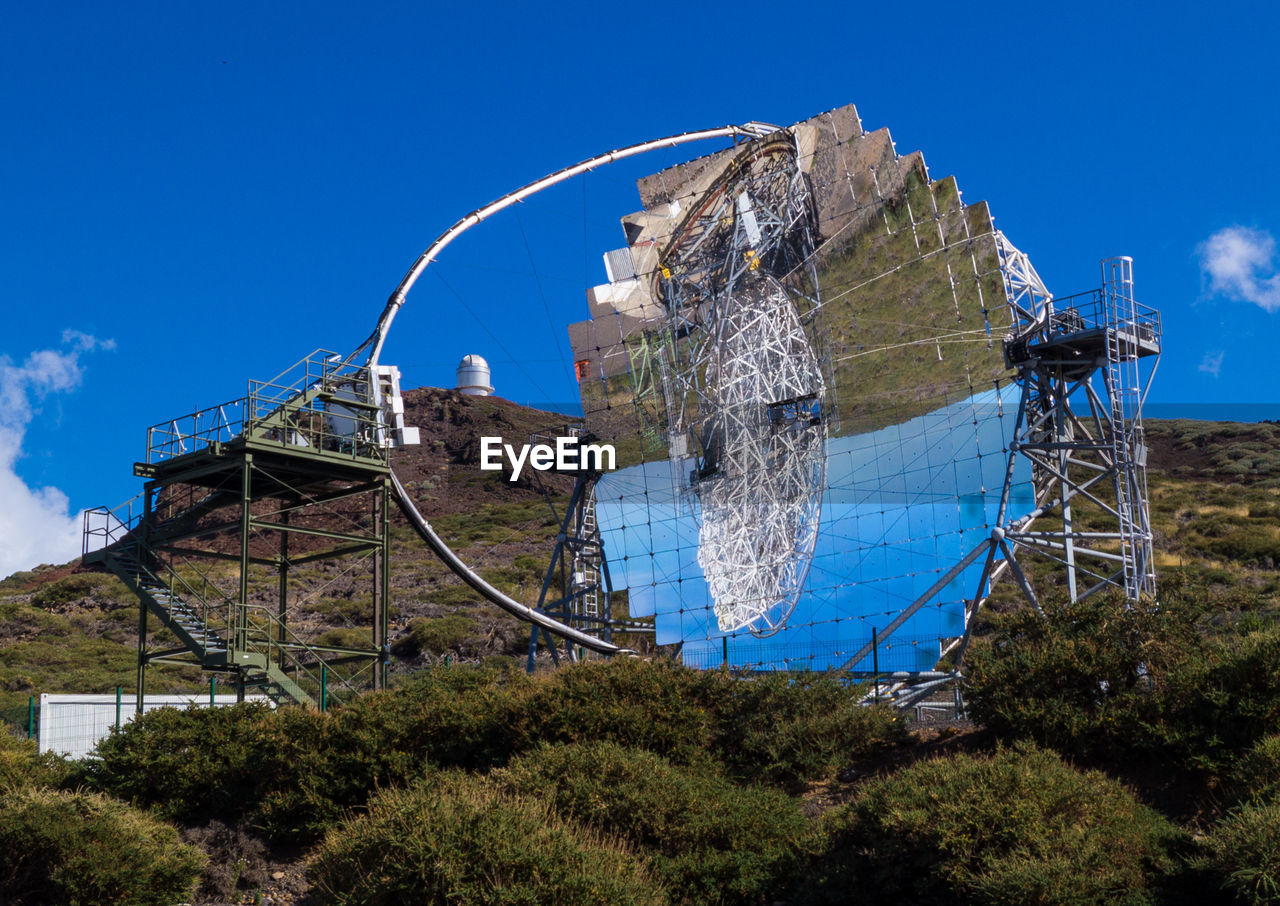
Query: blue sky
x=197, y=194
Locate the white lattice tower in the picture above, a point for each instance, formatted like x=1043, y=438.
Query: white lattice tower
x=1080, y=441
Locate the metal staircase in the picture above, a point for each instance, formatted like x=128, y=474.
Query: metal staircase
x=262, y=651
x=264, y=482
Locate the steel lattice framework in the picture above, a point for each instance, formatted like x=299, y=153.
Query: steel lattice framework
x=1080, y=426
x=743, y=382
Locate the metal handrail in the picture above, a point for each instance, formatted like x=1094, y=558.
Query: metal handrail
x=1091, y=309
x=110, y=527
x=275, y=635
x=196, y=430
x=334, y=412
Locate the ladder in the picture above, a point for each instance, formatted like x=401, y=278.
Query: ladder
x=1127, y=448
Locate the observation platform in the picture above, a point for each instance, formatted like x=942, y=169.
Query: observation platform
x=268, y=482
x=1086, y=329
x=320, y=417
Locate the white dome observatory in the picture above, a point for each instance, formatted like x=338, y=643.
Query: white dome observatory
x=473, y=376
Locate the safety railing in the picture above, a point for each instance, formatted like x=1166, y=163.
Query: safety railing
x=320, y=404
x=195, y=430
x=1096, y=309
x=103, y=527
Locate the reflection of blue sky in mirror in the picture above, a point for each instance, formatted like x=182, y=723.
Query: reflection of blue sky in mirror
x=902, y=506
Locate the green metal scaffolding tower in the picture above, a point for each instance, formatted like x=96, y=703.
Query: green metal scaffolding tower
x=238, y=498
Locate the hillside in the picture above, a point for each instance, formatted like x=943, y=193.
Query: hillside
x=1214, y=487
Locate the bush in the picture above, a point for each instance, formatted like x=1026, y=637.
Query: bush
x=1109, y=684
x=783, y=728
x=788, y=728
x=467, y=717
x=1016, y=827
x=237, y=861
x=1257, y=774
x=99, y=587
x=1245, y=852
x=344, y=637
x=329, y=763
x=709, y=839
x=82, y=848
x=455, y=840
x=649, y=705
x=436, y=635
x=22, y=763
x=192, y=764
x=293, y=772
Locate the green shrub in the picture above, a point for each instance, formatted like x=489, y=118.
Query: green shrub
x=86, y=849
x=438, y=635
x=325, y=764
x=788, y=728
x=783, y=728
x=467, y=717
x=1112, y=684
x=98, y=587
x=454, y=840
x=649, y=705
x=1257, y=774
x=22, y=763
x=709, y=839
x=345, y=637
x=1016, y=827
x=192, y=764
x=1225, y=699
x=1245, y=852
x=292, y=772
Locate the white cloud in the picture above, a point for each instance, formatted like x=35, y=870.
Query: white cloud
x=1212, y=362
x=83, y=342
x=36, y=525
x=1240, y=264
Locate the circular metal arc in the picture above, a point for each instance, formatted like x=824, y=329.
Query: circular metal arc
x=379, y=335
x=376, y=340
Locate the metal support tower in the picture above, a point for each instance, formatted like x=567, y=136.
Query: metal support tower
x=1080, y=427
x=1078, y=363
x=296, y=474
x=576, y=588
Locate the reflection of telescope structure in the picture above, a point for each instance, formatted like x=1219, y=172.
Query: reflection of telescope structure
x=595, y=637
x=812, y=331
x=744, y=382
x=828, y=452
